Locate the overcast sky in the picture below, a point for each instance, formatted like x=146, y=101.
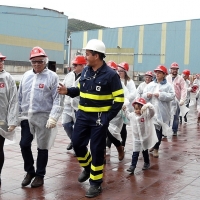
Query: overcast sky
x=118, y=13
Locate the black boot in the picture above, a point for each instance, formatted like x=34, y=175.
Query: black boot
x=83, y=176
x=27, y=180
x=93, y=191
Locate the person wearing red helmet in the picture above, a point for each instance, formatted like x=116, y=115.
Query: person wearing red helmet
x=160, y=93
x=181, y=92
x=185, y=75
x=71, y=104
x=8, y=108
x=143, y=131
x=148, y=77
x=115, y=125
x=40, y=106
x=123, y=69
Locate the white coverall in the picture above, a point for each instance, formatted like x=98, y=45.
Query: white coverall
x=162, y=104
x=8, y=105
x=142, y=129
x=39, y=100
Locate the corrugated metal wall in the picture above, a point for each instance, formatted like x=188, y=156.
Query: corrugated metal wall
x=147, y=46
x=23, y=28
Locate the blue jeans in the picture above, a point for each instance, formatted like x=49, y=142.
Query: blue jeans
x=25, y=144
x=176, y=120
x=68, y=127
x=136, y=155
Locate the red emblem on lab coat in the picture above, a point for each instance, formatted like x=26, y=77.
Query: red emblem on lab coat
x=41, y=85
x=142, y=120
x=2, y=85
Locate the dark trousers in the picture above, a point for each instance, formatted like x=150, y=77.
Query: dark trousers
x=135, y=157
x=159, y=135
x=25, y=144
x=123, y=135
x=2, y=140
x=85, y=130
x=111, y=139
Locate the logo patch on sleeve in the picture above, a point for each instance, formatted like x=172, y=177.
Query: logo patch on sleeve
x=2, y=85
x=98, y=88
x=41, y=85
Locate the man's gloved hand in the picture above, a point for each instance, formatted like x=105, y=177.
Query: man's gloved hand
x=51, y=123
x=11, y=128
x=181, y=102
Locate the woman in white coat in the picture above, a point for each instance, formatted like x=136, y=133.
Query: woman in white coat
x=129, y=83
x=160, y=93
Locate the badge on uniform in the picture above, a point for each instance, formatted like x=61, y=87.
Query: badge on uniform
x=2, y=85
x=98, y=88
x=41, y=85
x=142, y=120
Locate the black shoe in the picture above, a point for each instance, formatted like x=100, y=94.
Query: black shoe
x=93, y=191
x=37, y=182
x=175, y=133
x=131, y=169
x=27, y=180
x=180, y=120
x=70, y=146
x=146, y=166
x=185, y=119
x=83, y=176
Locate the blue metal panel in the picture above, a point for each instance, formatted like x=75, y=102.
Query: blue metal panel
x=92, y=34
x=175, y=44
x=110, y=37
x=77, y=40
x=17, y=53
x=194, y=47
x=33, y=23
x=130, y=37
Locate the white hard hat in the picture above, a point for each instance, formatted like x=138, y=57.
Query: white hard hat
x=96, y=45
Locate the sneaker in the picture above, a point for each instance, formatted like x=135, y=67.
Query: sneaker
x=175, y=133
x=155, y=153
x=37, y=182
x=83, y=176
x=108, y=151
x=151, y=150
x=93, y=191
x=146, y=166
x=27, y=179
x=131, y=169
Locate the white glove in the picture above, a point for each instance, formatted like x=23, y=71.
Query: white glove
x=144, y=107
x=181, y=102
x=51, y=123
x=11, y=128
x=189, y=89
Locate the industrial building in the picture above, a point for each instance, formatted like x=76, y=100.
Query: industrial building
x=144, y=47
x=23, y=28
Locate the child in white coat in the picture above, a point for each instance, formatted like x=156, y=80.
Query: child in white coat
x=143, y=131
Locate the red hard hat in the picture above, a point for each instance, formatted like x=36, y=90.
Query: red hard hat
x=149, y=73
x=2, y=56
x=124, y=65
x=186, y=72
x=112, y=64
x=194, y=88
x=174, y=65
x=161, y=68
x=140, y=100
x=80, y=60
x=37, y=51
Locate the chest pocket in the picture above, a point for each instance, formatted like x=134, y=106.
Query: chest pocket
x=100, y=85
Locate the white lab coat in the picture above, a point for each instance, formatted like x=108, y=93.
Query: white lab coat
x=8, y=105
x=39, y=100
x=162, y=104
x=115, y=125
x=142, y=129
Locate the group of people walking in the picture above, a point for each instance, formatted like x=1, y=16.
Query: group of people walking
x=96, y=101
